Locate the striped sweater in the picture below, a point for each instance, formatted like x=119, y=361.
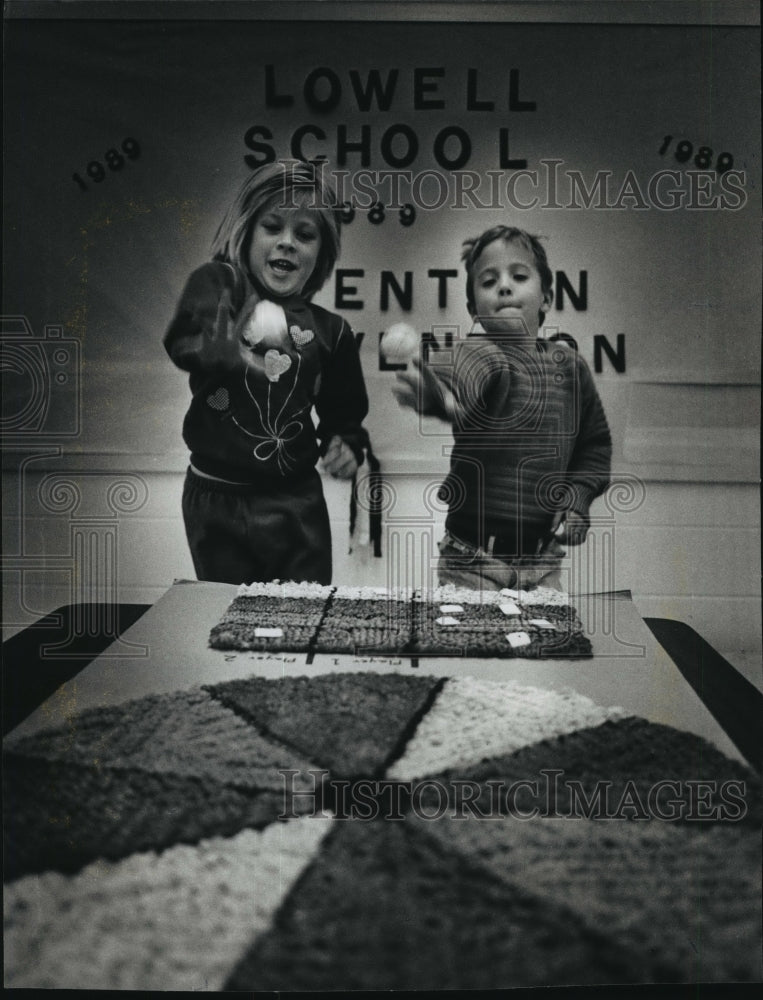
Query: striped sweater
x=530, y=438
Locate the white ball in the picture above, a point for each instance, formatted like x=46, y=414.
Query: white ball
x=267, y=326
x=399, y=344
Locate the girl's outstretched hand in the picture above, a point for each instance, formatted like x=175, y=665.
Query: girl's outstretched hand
x=339, y=460
x=223, y=347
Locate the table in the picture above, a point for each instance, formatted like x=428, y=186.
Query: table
x=405, y=894
x=167, y=649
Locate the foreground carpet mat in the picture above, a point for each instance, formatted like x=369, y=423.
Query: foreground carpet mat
x=376, y=831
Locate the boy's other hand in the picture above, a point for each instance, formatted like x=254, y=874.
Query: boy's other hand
x=339, y=460
x=570, y=528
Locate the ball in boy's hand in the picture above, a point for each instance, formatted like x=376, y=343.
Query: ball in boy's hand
x=266, y=328
x=399, y=344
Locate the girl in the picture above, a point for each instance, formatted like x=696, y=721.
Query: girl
x=260, y=356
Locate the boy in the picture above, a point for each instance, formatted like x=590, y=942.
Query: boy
x=532, y=447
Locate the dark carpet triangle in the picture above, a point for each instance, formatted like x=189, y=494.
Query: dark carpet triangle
x=384, y=907
x=348, y=723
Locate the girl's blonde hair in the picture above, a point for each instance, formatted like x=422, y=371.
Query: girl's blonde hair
x=291, y=184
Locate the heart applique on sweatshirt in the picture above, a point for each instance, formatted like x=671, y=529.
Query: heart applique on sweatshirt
x=276, y=364
x=219, y=400
x=300, y=337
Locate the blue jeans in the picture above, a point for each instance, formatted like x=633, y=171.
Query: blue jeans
x=474, y=568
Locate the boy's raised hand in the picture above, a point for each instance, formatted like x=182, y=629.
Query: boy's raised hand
x=570, y=528
x=406, y=389
x=422, y=391
x=339, y=460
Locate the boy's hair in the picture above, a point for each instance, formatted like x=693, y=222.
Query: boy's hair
x=292, y=184
x=474, y=247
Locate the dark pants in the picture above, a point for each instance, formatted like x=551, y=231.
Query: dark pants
x=243, y=534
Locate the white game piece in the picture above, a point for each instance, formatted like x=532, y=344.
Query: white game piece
x=517, y=639
x=510, y=608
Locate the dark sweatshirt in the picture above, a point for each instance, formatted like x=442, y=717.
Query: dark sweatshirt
x=250, y=418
